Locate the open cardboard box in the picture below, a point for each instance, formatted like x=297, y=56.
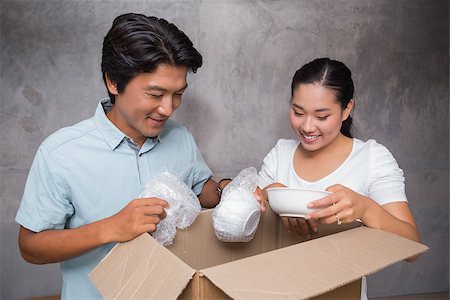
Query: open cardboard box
x=274, y=265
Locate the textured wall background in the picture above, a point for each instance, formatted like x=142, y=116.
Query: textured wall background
x=237, y=103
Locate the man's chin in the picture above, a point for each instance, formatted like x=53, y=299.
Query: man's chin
x=152, y=133
x=153, y=130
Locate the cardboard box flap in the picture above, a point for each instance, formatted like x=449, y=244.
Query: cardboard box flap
x=141, y=268
x=312, y=268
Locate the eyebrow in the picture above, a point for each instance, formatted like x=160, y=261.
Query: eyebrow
x=317, y=110
x=158, y=88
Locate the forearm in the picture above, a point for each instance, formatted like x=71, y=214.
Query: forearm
x=137, y=217
x=380, y=217
x=209, y=197
x=52, y=246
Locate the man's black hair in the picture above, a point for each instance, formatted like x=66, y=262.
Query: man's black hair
x=139, y=44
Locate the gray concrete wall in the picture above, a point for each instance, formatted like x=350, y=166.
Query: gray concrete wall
x=237, y=103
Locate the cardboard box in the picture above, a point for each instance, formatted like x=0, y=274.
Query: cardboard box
x=274, y=265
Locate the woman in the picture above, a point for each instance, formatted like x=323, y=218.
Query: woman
x=364, y=178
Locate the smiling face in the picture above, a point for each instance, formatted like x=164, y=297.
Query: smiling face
x=147, y=102
x=316, y=116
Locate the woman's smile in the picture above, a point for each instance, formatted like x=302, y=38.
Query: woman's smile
x=310, y=138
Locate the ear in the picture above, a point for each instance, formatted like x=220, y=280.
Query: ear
x=347, y=110
x=112, y=86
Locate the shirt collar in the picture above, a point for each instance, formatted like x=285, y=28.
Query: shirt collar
x=149, y=144
x=111, y=133
x=113, y=136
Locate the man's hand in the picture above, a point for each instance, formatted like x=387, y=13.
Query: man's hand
x=139, y=216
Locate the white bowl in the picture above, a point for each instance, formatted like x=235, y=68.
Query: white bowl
x=288, y=202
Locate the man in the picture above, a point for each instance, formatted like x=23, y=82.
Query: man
x=80, y=196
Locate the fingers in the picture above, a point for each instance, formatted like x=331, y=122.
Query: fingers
x=335, y=213
x=313, y=225
x=295, y=227
x=150, y=228
x=139, y=216
x=300, y=227
x=292, y=222
x=330, y=209
x=324, y=208
x=285, y=222
x=260, y=198
x=157, y=210
x=334, y=218
x=327, y=207
x=323, y=202
x=151, y=206
x=343, y=206
x=152, y=202
x=334, y=188
x=145, y=213
x=150, y=224
x=303, y=229
x=262, y=206
x=275, y=185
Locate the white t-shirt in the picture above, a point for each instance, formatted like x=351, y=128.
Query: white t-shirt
x=370, y=170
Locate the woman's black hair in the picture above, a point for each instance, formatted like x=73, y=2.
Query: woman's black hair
x=332, y=74
x=138, y=44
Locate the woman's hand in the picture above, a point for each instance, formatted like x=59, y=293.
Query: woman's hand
x=346, y=206
x=259, y=195
x=304, y=229
x=343, y=206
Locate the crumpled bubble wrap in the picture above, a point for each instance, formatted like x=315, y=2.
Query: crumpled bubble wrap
x=184, y=204
x=236, y=217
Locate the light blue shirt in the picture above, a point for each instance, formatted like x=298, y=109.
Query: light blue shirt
x=90, y=171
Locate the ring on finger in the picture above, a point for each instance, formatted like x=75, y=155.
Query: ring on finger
x=339, y=222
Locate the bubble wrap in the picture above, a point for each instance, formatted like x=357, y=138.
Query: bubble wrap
x=236, y=217
x=184, y=204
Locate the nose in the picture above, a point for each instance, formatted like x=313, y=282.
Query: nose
x=308, y=124
x=166, y=107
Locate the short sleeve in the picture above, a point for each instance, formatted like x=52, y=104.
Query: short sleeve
x=45, y=203
x=267, y=174
x=386, y=180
